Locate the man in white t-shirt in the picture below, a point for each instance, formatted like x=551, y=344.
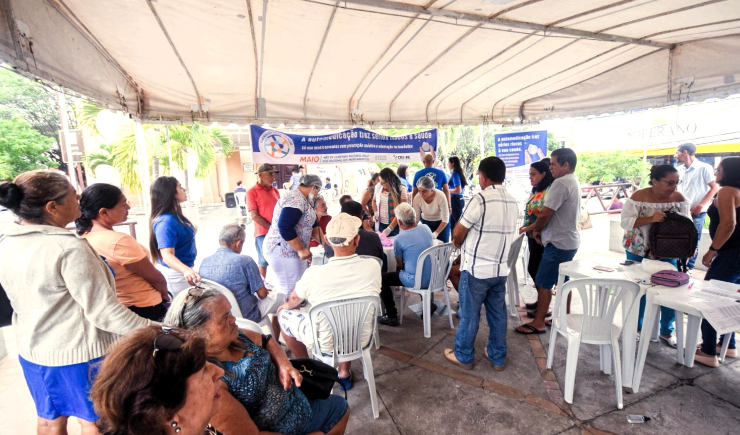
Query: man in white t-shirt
x=697, y=185
x=345, y=276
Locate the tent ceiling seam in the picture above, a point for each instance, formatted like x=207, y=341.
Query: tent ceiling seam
x=545, y=29
x=493, y=108
x=318, y=56
x=590, y=12
x=83, y=30
x=177, y=54
x=256, y=59
x=662, y=14
x=462, y=107
x=515, y=7
x=595, y=76
x=13, y=27
x=491, y=59
x=428, y=65
x=262, y=48
x=681, y=29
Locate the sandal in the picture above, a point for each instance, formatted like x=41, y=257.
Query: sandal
x=450, y=356
x=531, y=306
x=548, y=322
x=707, y=360
x=531, y=330
x=346, y=383
x=670, y=340
x=731, y=353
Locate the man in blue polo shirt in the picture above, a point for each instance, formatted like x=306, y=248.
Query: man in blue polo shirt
x=438, y=175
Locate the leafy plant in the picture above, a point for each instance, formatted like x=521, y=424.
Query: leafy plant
x=22, y=148
x=607, y=166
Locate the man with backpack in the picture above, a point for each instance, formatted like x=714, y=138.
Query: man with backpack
x=697, y=185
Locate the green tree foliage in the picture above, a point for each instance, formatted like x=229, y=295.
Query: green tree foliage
x=552, y=143
x=22, y=148
x=607, y=166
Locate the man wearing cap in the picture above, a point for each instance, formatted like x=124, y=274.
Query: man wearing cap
x=261, y=200
x=345, y=276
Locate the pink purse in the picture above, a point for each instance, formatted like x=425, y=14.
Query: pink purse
x=669, y=278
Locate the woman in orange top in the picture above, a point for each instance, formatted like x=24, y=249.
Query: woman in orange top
x=139, y=285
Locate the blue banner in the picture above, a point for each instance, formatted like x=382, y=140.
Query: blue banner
x=521, y=148
x=355, y=145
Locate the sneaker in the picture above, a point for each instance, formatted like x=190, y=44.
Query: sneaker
x=432, y=308
x=388, y=321
x=450, y=356
x=707, y=360
x=731, y=353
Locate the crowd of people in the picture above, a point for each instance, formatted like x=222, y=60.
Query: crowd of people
x=184, y=366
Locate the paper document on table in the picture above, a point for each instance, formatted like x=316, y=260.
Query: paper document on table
x=722, y=313
x=713, y=293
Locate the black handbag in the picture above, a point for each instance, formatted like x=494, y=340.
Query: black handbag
x=6, y=310
x=318, y=378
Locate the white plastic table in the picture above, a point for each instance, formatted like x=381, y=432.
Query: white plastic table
x=585, y=269
x=678, y=298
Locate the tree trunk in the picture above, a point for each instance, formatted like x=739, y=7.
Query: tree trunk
x=155, y=167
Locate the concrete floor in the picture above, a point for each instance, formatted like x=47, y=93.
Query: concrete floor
x=421, y=393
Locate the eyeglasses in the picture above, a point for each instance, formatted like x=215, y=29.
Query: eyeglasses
x=672, y=183
x=167, y=341
x=194, y=293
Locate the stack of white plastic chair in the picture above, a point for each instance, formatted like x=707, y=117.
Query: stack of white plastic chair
x=235, y=310
x=512, y=281
x=439, y=256
x=347, y=320
x=601, y=298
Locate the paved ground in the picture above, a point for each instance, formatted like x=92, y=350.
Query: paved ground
x=420, y=393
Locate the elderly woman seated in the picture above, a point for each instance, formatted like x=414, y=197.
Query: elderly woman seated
x=157, y=381
x=262, y=388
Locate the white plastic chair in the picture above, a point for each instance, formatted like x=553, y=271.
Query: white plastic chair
x=726, y=342
x=440, y=261
x=512, y=281
x=601, y=298
x=347, y=319
x=235, y=310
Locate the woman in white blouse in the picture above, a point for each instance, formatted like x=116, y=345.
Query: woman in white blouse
x=639, y=212
x=432, y=209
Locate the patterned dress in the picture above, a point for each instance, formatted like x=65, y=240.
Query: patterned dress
x=635, y=240
x=273, y=240
x=533, y=209
x=254, y=382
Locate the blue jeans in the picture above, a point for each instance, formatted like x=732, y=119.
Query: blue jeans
x=258, y=242
x=473, y=293
x=549, y=270
x=725, y=267
x=667, y=315
x=699, y=224
x=444, y=236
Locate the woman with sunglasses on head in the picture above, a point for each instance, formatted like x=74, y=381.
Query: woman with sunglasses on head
x=139, y=285
x=723, y=256
x=645, y=207
x=262, y=388
x=157, y=381
x=66, y=313
x=387, y=199
x=294, y=224
x=172, y=235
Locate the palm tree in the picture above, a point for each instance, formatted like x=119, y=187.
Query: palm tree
x=86, y=114
x=102, y=157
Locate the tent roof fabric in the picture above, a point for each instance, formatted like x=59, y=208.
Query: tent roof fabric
x=377, y=61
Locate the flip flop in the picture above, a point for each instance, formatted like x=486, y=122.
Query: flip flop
x=346, y=383
x=548, y=322
x=531, y=330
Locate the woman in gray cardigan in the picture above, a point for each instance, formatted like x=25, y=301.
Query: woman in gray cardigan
x=65, y=308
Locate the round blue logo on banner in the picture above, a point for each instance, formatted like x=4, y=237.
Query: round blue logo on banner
x=276, y=145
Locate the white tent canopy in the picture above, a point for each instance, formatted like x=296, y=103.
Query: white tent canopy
x=377, y=61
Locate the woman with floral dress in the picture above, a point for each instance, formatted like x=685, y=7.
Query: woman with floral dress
x=540, y=178
x=640, y=211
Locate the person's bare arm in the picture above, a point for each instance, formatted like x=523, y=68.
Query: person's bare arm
x=293, y=302
x=145, y=269
x=302, y=251
x=727, y=204
x=446, y=190
x=542, y=220
x=458, y=234
x=364, y=200
x=713, y=189
x=168, y=256
x=258, y=219
x=262, y=292
x=457, y=189
x=399, y=263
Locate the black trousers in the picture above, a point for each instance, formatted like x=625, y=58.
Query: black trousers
x=389, y=280
x=535, y=256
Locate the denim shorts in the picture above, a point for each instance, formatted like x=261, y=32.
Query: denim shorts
x=325, y=414
x=549, y=270
x=61, y=390
x=258, y=241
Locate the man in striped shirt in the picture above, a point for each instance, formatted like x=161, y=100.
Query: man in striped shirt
x=485, y=231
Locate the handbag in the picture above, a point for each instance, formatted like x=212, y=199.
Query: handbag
x=669, y=278
x=318, y=378
x=584, y=220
